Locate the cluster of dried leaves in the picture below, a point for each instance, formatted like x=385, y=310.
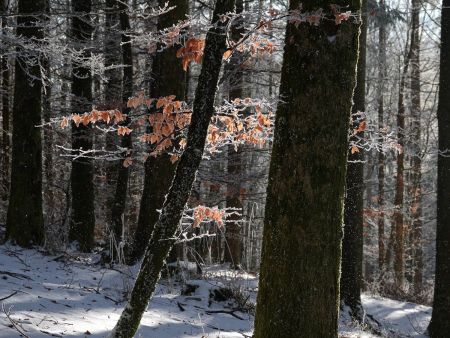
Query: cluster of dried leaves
x=297, y=16
x=203, y=213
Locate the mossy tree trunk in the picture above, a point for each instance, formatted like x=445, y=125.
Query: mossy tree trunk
x=82, y=185
x=440, y=323
x=352, y=243
x=24, y=223
x=301, y=254
x=162, y=239
x=168, y=78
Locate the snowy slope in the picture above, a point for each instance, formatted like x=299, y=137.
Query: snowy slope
x=70, y=296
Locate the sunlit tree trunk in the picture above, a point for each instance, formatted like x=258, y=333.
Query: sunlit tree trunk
x=301, y=254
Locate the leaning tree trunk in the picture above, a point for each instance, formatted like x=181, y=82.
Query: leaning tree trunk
x=416, y=189
x=301, y=254
x=440, y=323
x=352, y=243
x=6, y=143
x=24, y=223
x=169, y=78
x=82, y=175
x=120, y=196
x=162, y=239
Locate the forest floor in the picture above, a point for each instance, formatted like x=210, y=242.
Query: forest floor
x=71, y=295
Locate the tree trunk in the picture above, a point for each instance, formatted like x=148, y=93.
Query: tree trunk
x=120, y=197
x=234, y=72
x=301, y=254
x=398, y=242
x=381, y=157
x=165, y=228
x=82, y=175
x=168, y=78
x=6, y=143
x=24, y=223
x=440, y=323
x=352, y=243
x=113, y=100
x=416, y=189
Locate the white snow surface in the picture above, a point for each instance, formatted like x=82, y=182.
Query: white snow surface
x=72, y=296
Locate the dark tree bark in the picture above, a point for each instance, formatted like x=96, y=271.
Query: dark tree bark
x=24, y=223
x=5, y=92
x=381, y=157
x=352, y=243
x=118, y=209
x=416, y=189
x=234, y=72
x=83, y=216
x=301, y=254
x=440, y=323
x=168, y=78
x=113, y=100
x=162, y=239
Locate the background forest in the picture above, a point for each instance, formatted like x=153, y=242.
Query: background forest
x=137, y=131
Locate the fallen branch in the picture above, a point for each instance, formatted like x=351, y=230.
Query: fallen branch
x=228, y=312
x=5, y=298
x=14, y=323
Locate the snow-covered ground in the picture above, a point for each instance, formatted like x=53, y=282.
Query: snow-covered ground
x=71, y=296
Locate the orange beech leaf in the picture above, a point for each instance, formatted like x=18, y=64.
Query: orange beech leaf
x=64, y=123
x=227, y=54
x=123, y=130
x=183, y=143
x=76, y=118
x=174, y=158
x=354, y=149
x=127, y=162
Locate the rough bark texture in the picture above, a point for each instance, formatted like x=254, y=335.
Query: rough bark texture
x=416, y=189
x=6, y=142
x=24, y=223
x=352, y=243
x=120, y=195
x=113, y=99
x=440, y=323
x=83, y=217
x=168, y=78
x=381, y=157
x=165, y=228
x=301, y=254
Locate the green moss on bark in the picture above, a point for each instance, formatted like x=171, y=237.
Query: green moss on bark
x=299, y=282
